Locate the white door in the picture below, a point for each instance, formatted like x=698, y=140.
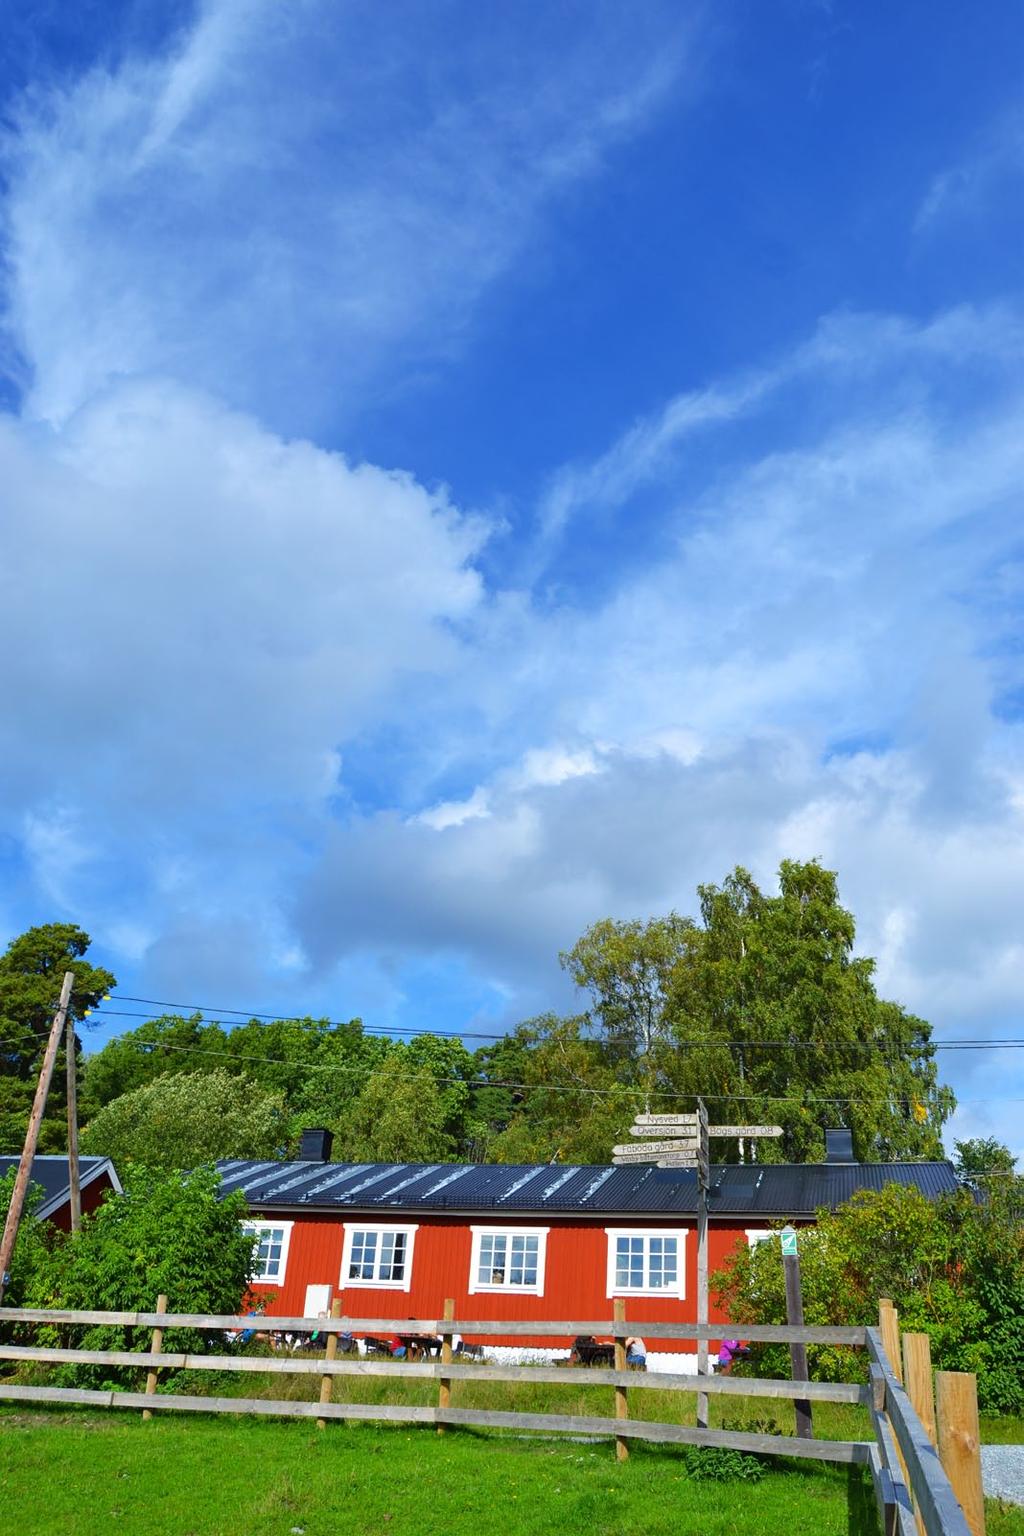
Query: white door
x=318, y=1301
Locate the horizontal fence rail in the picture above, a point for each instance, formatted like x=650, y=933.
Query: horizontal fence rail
x=757, y=1333
x=914, y=1493
x=586, y=1376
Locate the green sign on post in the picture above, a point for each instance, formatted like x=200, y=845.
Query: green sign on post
x=789, y=1243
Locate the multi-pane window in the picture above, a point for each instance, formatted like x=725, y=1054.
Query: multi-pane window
x=645, y=1263
x=508, y=1259
x=271, y=1248
x=378, y=1256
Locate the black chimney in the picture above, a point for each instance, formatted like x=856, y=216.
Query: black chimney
x=315, y=1146
x=839, y=1147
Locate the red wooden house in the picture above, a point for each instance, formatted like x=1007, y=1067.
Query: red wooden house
x=546, y=1241
x=50, y=1177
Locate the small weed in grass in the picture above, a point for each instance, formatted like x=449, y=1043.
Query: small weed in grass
x=709, y=1464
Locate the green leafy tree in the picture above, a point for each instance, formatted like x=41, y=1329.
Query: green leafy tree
x=981, y=1158
x=628, y=968
x=764, y=1010
x=31, y=971
x=954, y=1269
x=28, y=1249
x=574, y=1105
x=398, y=1119
x=170, y=1233
x=154, y=1049
x=184, y=1119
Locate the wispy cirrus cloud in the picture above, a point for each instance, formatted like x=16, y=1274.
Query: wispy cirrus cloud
x=330, y=189
x=965, y=189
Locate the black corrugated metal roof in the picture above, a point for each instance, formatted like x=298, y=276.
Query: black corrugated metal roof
x=766, y=1190
x=50, y=1174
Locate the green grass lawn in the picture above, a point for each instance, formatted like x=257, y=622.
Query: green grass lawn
x=87, y=1473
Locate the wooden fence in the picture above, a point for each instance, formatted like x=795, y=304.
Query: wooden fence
x=916, y=1491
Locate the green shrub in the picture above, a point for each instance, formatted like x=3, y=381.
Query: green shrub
x=953, y=1267
x=168, y=1233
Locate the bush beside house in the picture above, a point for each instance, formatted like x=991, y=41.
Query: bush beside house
x=954, y=1269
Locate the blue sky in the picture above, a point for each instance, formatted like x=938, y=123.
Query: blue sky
x=466, y=471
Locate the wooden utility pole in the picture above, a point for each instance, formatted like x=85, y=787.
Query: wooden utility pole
x=17, y=1205
x=74, y=1182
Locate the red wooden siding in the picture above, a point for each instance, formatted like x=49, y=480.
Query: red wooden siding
x=92, y=1197
x=575, y=1281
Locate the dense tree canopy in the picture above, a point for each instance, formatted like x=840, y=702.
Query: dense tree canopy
x=31, y=971
x=758, y=1004
x=186, y=1118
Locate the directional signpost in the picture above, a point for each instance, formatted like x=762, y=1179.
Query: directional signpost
x=795, y=1317
x=682, y=1141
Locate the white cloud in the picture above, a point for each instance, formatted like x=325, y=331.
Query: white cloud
x=194, y=613
x=965, y=189
x=298, y=205
x=812, y=666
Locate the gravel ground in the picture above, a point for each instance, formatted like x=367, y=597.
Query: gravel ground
x=1002, y=1472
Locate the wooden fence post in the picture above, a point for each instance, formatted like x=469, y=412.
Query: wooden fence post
x=889, y=1327
x=960, y=1442
x=156, y=1348
x=621, y=1401
x=444, y=1391
x=917, y=1375
x=327, y=1381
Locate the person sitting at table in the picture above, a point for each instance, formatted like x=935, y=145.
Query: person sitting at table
x=731, y=1351
x=396, y=1346
x=636, y=1354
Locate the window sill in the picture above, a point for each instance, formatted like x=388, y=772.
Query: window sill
x=375, y=1285
x=505, y=1290
x=665, y=1294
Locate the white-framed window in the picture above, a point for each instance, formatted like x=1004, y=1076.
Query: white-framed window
x=755, y=1235
x=271, y=1240
x=508, y=1259
x=378, y=1254
x=646, y=1261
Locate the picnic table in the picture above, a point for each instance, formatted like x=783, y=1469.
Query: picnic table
x=419, y=1344
x=587, y=1351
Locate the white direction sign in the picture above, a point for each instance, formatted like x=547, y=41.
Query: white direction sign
x=744, y=1130
x=651, y=1148
x=665, y=1122
x=677, y=1162
x=634, y=1155
x=687, y=1137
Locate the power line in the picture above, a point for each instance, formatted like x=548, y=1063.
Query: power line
x=991, y=1042
x=546, y=1087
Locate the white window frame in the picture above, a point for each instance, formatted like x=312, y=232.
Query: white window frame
x=382, y=1228
x=284, y=1227
x=676, y=1292
x=755, y=1235
x=506, y=1288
